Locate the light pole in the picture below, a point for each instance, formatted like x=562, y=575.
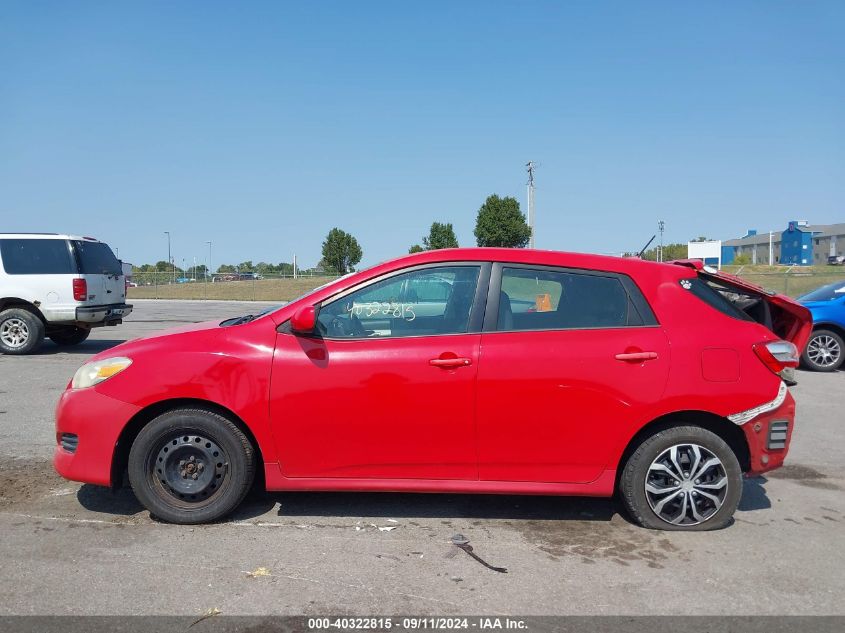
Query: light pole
x=660, y=225
x=169, y=260
x=209, y=272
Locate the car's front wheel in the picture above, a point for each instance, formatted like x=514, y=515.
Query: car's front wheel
x=191, y=466
x=70, y=335
x=825, y=351
x=682, y=478
x=21, y=331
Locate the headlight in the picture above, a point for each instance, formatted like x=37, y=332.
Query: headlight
x=91, y=374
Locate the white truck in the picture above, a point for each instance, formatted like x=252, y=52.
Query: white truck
x=58, y=286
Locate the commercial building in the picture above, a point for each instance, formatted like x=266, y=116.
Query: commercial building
x=801, y=244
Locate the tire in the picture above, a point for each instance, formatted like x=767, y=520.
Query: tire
x=182, y=480
x=825, y=351
x=694, y=504
x=70, y=335
x=21, y=331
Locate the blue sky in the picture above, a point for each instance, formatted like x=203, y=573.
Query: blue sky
x=261, y=125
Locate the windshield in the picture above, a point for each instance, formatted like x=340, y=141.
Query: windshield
x=96, y=258
x=826, y=293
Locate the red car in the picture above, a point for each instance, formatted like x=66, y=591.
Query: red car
x=466, y=370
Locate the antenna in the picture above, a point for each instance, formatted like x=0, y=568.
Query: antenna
x=640, y=254
x=530, y=167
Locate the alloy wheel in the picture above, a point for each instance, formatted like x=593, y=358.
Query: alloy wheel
x=14, y=332
x=824, y=350
x=686, y=485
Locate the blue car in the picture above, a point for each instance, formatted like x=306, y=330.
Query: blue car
x=825, y=350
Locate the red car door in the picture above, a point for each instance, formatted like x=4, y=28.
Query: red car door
x=575, y=362
x=385, y=388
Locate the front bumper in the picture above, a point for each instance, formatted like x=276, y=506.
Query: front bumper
x=96, y=420
x=108, y=314
x=769, y=435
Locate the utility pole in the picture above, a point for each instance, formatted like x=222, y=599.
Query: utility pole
x=294, y=265
x=530, y=166
x=660, y=225
x=169, y=260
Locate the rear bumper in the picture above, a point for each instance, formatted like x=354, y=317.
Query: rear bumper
x=106, y=314
x=96, y=422
x=769, y=435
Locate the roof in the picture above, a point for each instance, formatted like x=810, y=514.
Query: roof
x=48, y=236
x=587, y=261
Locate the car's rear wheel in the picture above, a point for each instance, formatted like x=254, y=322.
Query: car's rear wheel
x=825, y=351
x=21, y=331
x=70, y=335
x=191, y=466
x=682, y=478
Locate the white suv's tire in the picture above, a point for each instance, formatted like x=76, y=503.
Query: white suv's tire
x=21, y=331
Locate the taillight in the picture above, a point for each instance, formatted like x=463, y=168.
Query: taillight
x=777, y=355
x=80, y=290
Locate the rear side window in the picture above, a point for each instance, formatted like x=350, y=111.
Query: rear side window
x=96, y=258
x=36, y=257
x=540, y=299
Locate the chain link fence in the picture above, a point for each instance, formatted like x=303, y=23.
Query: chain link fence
x=792, y=282
x=223, y=286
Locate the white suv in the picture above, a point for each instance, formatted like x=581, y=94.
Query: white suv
x=58, y=286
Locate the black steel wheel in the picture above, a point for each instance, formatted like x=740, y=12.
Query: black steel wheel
x=191, y=466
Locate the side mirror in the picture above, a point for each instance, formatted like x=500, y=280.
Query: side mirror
x=304, y=320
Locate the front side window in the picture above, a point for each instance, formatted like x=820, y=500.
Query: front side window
x=538, y=299
x=36, y=257
x=422, y=302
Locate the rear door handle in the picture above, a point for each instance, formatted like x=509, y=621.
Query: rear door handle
x=636, y=356
x=447, y=363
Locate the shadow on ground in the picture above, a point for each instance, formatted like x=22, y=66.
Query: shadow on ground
x=88, y=347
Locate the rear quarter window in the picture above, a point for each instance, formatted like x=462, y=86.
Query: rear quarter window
x=714, y=297
x=36, y=257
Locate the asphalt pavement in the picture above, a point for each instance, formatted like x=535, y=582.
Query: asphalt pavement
x=68, y=548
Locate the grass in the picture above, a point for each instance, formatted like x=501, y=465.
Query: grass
x=247, y=290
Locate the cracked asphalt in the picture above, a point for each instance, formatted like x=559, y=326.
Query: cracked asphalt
x=68, y=548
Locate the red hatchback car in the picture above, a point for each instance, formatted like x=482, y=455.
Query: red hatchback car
x=466, y=370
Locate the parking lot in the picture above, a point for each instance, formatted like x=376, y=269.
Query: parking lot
x=78, y=549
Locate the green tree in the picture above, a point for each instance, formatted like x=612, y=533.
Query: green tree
x=225, y=268
x=163, y=266
x=742, y=260
x=416, y=248
x=440, y=236
x=501, y=223
x=341, y=251
x=670, y=252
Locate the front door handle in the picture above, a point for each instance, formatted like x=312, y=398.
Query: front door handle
x=636, y=357
x=448, y=363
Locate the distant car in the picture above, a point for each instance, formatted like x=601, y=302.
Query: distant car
x=836, y=260
x=486, y=370
x=58, y=286
x=825, y=351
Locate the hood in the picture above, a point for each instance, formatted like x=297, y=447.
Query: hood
x=158, y=338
